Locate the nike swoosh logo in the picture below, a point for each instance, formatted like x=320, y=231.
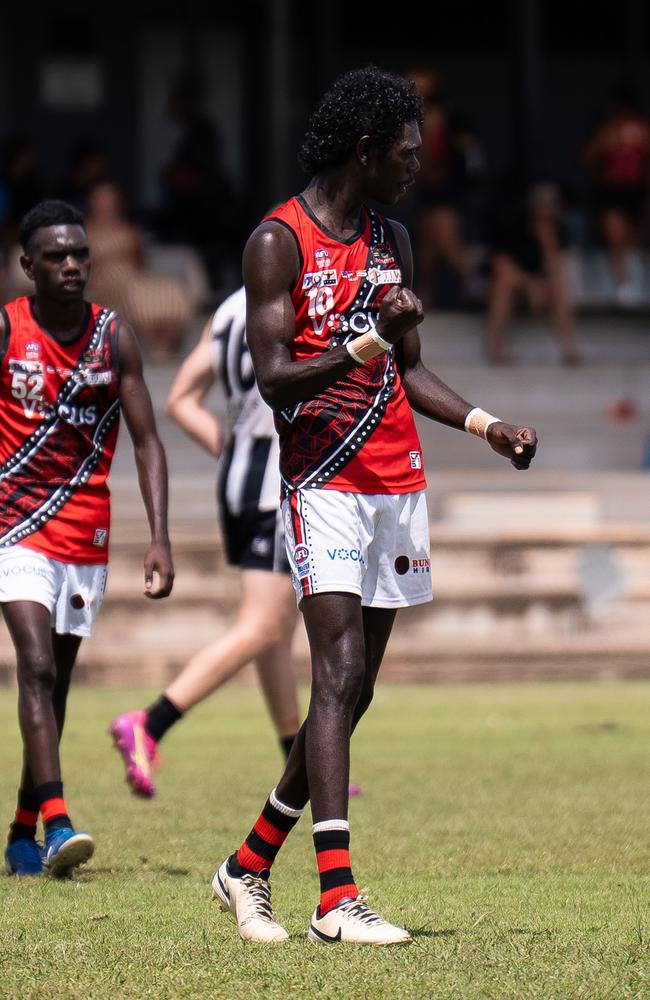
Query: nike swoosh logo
x=329, y=938
x=223, y=888
x=140, y=756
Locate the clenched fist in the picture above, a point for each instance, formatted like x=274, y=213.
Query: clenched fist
x=400, y=311
x=519, y=444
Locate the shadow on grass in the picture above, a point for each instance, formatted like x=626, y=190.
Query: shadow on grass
x=423, y=932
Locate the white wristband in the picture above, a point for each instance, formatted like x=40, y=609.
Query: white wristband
x=366, y=347
x=385, y=344
x=353, y=354
x=478, y=421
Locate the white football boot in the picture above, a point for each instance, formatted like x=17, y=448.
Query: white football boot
x=249, y=900
x=353, y=921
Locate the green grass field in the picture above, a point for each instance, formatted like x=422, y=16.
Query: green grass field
x=507, y=826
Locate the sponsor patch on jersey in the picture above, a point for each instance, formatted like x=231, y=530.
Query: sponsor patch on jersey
x=377, y=276
x=416, y=459
x=315, y=279
x=101, y=535
x=93, y=378
x=26, y=367
x=32, y=349
x=322, y=257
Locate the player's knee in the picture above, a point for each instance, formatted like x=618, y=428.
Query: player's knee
x=36, y=670
x=263, y=633
x=341, y=687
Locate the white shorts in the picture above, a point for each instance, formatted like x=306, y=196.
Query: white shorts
x=375, y=546
x=72, y=594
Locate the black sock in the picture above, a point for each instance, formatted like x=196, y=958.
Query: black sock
x=161, y=716
x=24, y=824
x=286, y=742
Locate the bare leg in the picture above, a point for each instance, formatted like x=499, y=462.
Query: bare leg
x=347, y=645
x=65, y=648
x=561, y=313
x=29, y=627
x=266, y=618
x=278, y=683
x=619, y=237
x=505, y=282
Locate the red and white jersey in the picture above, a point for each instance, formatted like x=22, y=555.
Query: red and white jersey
x=359, y=434
x=59, y=410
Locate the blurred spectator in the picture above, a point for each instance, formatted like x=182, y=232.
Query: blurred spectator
x=199, y=204
x=159, y=308
x=88, y=164
x=618, y=157
x=20, y=185
x=451, y=162
x=527, y=243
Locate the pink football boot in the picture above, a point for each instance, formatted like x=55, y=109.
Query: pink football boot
x=139, y=751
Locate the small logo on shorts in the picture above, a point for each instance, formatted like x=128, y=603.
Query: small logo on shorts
x=261, y=546
x=101, y=534
x=77, y=602
x=402, y=565
x=300, y=554
x=421, y=566
x=416, y=459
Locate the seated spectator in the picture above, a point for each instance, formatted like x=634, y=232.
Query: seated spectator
x=618, y=158
x=527, y=261
x=159, y=308
x=451, y=161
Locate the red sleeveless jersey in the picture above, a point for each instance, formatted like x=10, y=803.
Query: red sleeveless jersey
x=359, y=434
x=59, y=406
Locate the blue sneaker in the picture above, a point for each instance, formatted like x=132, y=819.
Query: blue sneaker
x=23, y=857
x=64, y=850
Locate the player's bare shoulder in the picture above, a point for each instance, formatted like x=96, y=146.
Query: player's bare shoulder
x=270, y=257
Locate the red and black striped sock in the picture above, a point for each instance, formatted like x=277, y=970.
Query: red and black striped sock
x=332, y=843
x=53, y=808
x=26, y=818
x=273, y=826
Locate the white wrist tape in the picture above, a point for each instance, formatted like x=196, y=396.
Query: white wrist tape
x=367, y=346
x=477, y=422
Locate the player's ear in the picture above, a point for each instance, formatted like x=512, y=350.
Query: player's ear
x=27, y=265
x=363, y=150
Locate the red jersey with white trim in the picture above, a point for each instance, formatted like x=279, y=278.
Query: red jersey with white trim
x=358, y=435
x=59, y=408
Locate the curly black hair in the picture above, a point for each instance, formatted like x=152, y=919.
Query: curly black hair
x=362, y=102
x=47, y=213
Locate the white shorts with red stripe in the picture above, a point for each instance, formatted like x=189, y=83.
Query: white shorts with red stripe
x=375, y=546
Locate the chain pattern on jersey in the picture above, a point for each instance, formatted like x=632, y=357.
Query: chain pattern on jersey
x=56, y=500
x=70, y=387
x=377, y=376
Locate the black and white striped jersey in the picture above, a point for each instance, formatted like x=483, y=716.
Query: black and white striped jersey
x=250, y=477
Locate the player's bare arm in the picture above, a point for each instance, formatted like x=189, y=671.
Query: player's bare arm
x=433, y=398
x=271, y=267
x=135, y=402
x=193, y=382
